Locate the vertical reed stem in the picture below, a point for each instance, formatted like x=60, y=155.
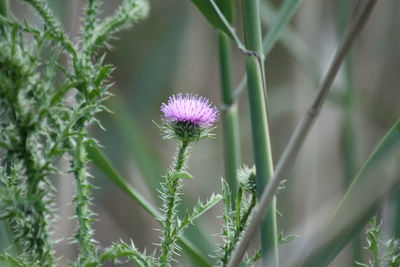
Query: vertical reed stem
x=229, y=115
x=259, y=122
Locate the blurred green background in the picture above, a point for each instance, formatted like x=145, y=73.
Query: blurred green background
x=175, y=50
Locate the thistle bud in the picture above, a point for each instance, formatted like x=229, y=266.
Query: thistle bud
x=247, y=179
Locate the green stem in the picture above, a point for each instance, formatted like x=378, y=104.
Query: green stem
x=240, y=225
x=286, y=12
x=259, y=122
x=229, y=115
x=169, y=223
x=82, y=200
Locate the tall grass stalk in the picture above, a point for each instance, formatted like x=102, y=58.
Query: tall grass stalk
x=284, y=15
x=259, y=121
x=357, y=22
x=229, y=109
x=229, y=114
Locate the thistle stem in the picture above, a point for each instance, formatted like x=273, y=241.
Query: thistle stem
x=229, y=115
x=259, y=122
x=170, y=235
x=240, y=225
x=82, y=200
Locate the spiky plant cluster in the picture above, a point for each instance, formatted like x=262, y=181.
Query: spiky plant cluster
x=40, y=123
x=31, y=124
x=236, y=218
x=37, y=124
x=170, y=196
x=171, y=190
x=383, y=253
x=186, y=119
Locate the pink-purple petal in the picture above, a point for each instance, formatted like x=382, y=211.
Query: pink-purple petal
x=190, y=108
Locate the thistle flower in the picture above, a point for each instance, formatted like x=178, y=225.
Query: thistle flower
x=188, y=117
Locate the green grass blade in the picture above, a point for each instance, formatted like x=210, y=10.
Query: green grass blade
x=226, y=7
x=213, y=13
x=360, y=203
x=212, y=16
x=104, y=165
x=195, y=256
x=206, y=8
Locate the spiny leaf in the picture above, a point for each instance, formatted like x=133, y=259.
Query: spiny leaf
x=181, y=175
x=282, y=240
x=201, y=208
x=121, y=250
x=198, y=210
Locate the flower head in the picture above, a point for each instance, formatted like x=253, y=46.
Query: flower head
x=192, y=109
x=188, y=117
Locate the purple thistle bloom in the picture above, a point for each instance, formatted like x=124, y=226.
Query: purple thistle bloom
x=191, y=109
